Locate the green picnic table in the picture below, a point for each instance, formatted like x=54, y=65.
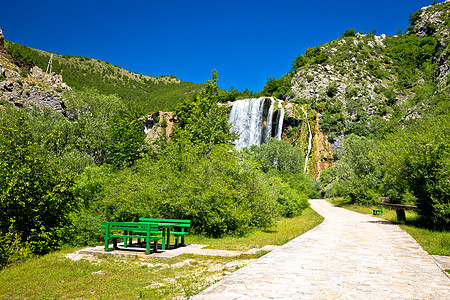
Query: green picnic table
x=175, y=227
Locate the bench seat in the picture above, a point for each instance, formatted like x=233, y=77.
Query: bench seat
x=128, y=230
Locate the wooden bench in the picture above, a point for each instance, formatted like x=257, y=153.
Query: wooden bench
x=130, y=230
x=177, y=228
x=379, y=210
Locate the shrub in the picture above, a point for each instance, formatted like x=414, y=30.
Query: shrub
x=12, y=249
x=23, y=73
x=349, y=32
x=279, y=155
x=34, y=192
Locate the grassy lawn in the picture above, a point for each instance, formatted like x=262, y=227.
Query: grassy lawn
x=285, y=230
x=54, y=276
x=434, y=242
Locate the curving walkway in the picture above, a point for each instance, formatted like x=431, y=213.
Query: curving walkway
x=348, y=256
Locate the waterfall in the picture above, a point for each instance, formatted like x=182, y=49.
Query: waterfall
x=309, y=140
x=254, y=119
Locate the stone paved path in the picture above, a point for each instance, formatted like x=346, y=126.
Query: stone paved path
x=348, y=256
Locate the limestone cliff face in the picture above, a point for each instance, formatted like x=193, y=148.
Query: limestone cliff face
x=159, y=125
x=295, y=131
x=29, y=88
x=434, y=20
x=2, y=38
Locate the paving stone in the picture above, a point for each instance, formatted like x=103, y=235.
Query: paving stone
x=139, y=252
x=348, y=256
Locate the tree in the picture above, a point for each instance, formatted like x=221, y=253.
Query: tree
x=279, y=155
x=203, y=121
x=416, y=162
x=359, y=175
x=35, y=197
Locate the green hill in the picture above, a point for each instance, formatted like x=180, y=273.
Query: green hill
x=147, y=93
x=366, y=84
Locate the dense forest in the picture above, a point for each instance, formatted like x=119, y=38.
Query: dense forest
x=384, y=107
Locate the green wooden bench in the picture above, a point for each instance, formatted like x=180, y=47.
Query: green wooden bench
x=132, y=230
x=379, y=210
x=178, y=228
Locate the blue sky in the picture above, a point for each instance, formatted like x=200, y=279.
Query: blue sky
x=247, y=42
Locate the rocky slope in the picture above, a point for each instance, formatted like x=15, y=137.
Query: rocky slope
x=144, y=92
x=434, y=20
x=361, y=81
x=27, y=89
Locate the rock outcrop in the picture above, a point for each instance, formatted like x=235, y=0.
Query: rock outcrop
x=35, y=90
x=295, y=131
x=2, y=39
x=29, y=89
x=159, y=126
x=434, y=20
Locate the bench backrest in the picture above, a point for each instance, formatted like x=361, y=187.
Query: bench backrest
x=129, y=226
x=153, y=220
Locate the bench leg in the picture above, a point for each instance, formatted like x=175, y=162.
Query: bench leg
x=106, y=244
x=176, y=241
x=115, y=243
x=168, y=239
x=155, y=246
x=182, y=240
x=147, y=247
x=163, y=246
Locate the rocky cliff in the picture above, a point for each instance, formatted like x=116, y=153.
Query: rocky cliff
x=360, y=82
x=29, y=88
x=434, y=20
x=296, y=131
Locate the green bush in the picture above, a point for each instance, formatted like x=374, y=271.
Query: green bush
x=359, y=176
x=349, y=32
x=12, y=249
x=34, y=191
x=416, y=160
x=279, y=155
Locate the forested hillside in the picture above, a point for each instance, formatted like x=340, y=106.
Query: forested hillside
x=145, y=93
x=384, y=104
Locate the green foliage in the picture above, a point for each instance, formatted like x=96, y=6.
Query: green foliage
x=23, y=73
x=349, y=32
x=359, y=176
x=222, y=192
x=278, y=88
x=104, y=128
x=144, y=93
x=410, y=52
x=279, y=155
x=26, y=55
x=35, y=196
x=11, y=248
x=331, y=90
x=416, y=161
x=203, y=121
x=311, y=56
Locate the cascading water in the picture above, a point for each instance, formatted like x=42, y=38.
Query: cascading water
x=254, y=119
x=309, y=140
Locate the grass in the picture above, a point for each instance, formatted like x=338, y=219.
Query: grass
x=54, y=276
x=285, y=230
x=434, y=242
